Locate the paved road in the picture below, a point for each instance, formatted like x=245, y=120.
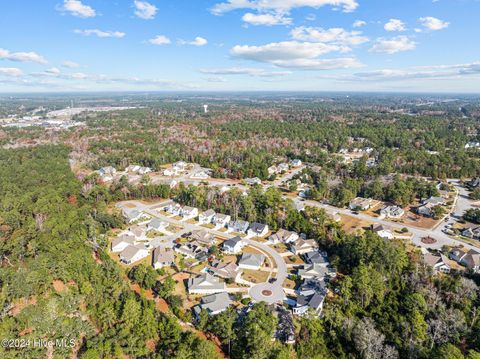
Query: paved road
x=462, y=203
x=268, y=292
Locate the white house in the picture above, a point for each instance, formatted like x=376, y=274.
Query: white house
x=238, y=226
x=221, y=220
x=233, y=245
x=205, y=284
x=437, y=263
x=296, y=162
x=391, y=212
x=201, y=175
x=156, y=224
x=132, y=215
x=313, y=302
x=303, y=246
x=257, y=230
x=189, y=212
x=162, y=257
x=132, y=254
x=206, y=217
x=174, y=209
x=283, y=236
x=383, y=232
x=122, y=242
x=251, y=261
x=253, y=181
x=360, y=203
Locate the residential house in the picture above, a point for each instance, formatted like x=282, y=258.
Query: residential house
x=313, y=271
x=283, y=236
x=316, y=257
x=391, y=212
x=174, y=209
x=471, y=232
x=206, y=217
x=251, y=261
x=205, y=284
x=221, y=220
x=303, y=246
x=426, y=209
x=253, y=181
x=272, y=170
x=306, y=303
x=179, y=166
x=435, y=201
x=360, y=203
x=283, y=167
x=203, y=237
x=383, y=232
x=470, y=259
x=189, y=212
x=132, y=215
x=311, y=286
x=233, y=245
x=437, y=263
x=296, y=162
x=122, y=242
x=156, y=224
x=472, y=144
x=213, y=304
x=162, y=257
x=224, y=270
x=238, y=226
x=474, y=182
x=107, y=171
x=132, y=254
x=192, y=250
x=201, y=175
x=257, y=230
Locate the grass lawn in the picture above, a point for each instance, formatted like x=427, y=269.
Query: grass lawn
x=288, y=283
x=208, y=225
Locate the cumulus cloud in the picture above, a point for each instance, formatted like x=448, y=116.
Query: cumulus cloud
x=100, y=33
x=433, y=24
x=145, y=10
x=10, y=71
x=198, y=41
x=294, y=54
x=70, y=64
x=21, y=56
x=160, y=40
x=395, y=25
x=393, y=45
x=334, y=35
x=254, y=72
x=77, y=8
x=359, y=23
x=266, y=19
x=281, y=6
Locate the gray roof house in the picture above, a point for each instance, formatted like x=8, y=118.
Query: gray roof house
x=437, y=263
x=313, y=271
x=205, y=284
x=313, y=302
x=257, y=230
x=122, y=242
x=316, y=257
x=203, y=237
x=233, y=245
x=303, y=246
x=206, y=217
x=131, y=214
x=283, y=236
x=156, y=224
x=311, y=286
x=132, y=254
x=162, y=257
x=251, y=261
x=213, y=304
x=238, y=226
x=221, y=220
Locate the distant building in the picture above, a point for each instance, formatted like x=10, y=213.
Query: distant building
x=132, y=254
x=206, y=217
x=437, y=263
x=392, y=212
x=257, y=230
x=162, y=257
x=238, y=226
x=283, y=236
x=382, y=231
x=360, y=203
x=205, y=284
x=251, y=261
x=213, y=304
x=233, y=245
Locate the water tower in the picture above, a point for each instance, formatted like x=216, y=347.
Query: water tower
x=205, y=108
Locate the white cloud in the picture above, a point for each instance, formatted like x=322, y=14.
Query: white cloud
x=393, y=45
x=281, y=6
x=77, y=8
x=198, y=41
x=266, y=19
x=395, y=25
x=70, y=64
x=216, y=79
x=433, y=24
x=160, y=40
x=100, y=33
x=359, y=23
x=145, y=10
x=10, y=71
x=250, y=71
x=294, y=54
x=22, y=56
x=334, y=35
x=426, y=72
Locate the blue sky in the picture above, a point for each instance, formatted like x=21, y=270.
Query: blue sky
x=310, y=45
